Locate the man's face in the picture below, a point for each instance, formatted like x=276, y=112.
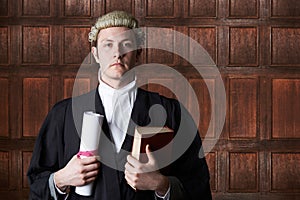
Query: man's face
x=115, y=52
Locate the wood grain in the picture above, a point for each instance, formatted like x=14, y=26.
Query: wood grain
x=243, y=9
x=201, y=8
x=4, y=110
x=76, y=45
x=285, y=8
x=285, y=172
x=211, y=159
x=80, y=8
x=4, y=43
x=26, y=157
x=286, y=108
x=5, y=169
x=36, y=8
x=155, y=55
x=72, y=89
x=3, y=7
x=162, y=86
x=36, y=45
x=35, y=104
x=243, y=172
x=203, y=104
x=285, y=46
x=125, y=5
x=206, y=37
x=243, y=46
x=243, y=108
x=163, y=9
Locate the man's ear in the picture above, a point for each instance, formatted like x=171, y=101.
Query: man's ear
x=95, y=54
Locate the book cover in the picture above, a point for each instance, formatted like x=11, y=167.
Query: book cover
x=159, y=140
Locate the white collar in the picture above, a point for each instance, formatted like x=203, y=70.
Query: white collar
x=109, y=95
x=108, y=90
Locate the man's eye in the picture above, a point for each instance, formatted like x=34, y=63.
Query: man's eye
x=108, y=45
x=128, y=45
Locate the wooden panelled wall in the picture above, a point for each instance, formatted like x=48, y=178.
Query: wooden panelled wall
x=255, y=44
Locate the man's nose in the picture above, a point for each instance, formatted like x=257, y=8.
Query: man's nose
x=119, y=52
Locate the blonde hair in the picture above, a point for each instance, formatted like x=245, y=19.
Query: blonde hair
x=116, y=19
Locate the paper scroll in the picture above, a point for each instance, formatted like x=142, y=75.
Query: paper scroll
x=90, y=136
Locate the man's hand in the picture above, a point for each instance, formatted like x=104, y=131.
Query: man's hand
x=145, y=176
x=78, y=172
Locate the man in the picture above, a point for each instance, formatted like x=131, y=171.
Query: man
x=55, y=169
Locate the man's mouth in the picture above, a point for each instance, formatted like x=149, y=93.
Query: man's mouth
x=117, y=64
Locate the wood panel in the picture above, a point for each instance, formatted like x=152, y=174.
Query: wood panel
x=3, y=7
x=243, y=172
x=83, y=85
x=4, y=43
x=285, y=46
x=285, y=108
x=204, y=103
x=4, y=169
x=36, y=8
x=285, y=8
x=35, y=104
x=285, y=172
x=126, y=5
x=206, y=37
x=211, y=159
x=243, y=107
x=243, y=9
x=162, y=9
x=201, y=8
x=80, y=8
x=75, y=45
x=162, y=86
x=26, y=157
x=36, y=45
x=243, y=46
x=4, y=110
x=159, y=55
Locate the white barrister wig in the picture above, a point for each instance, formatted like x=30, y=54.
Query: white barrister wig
x=116, y=19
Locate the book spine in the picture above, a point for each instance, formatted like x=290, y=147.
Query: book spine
x=136, y=145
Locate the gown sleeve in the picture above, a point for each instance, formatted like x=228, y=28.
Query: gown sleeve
x=47, y=153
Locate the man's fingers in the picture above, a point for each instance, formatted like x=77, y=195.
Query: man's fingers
x=132, y=161
x=89, y=160
x=149, y=154
x=130, y=177
x=88, y=180
x=91, y=174
x=129, y=168
x=92, y=167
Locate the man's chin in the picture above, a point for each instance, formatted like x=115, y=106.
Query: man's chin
x=120, y=75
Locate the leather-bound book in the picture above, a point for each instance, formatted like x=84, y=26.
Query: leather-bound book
x=160, y=143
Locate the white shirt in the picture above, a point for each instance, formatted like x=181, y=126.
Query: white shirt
x=118, y=105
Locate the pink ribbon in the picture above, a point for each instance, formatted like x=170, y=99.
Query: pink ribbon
x=86, y=153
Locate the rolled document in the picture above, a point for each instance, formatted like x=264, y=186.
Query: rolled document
x=90, y=136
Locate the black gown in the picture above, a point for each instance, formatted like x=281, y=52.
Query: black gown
x=59, y=140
